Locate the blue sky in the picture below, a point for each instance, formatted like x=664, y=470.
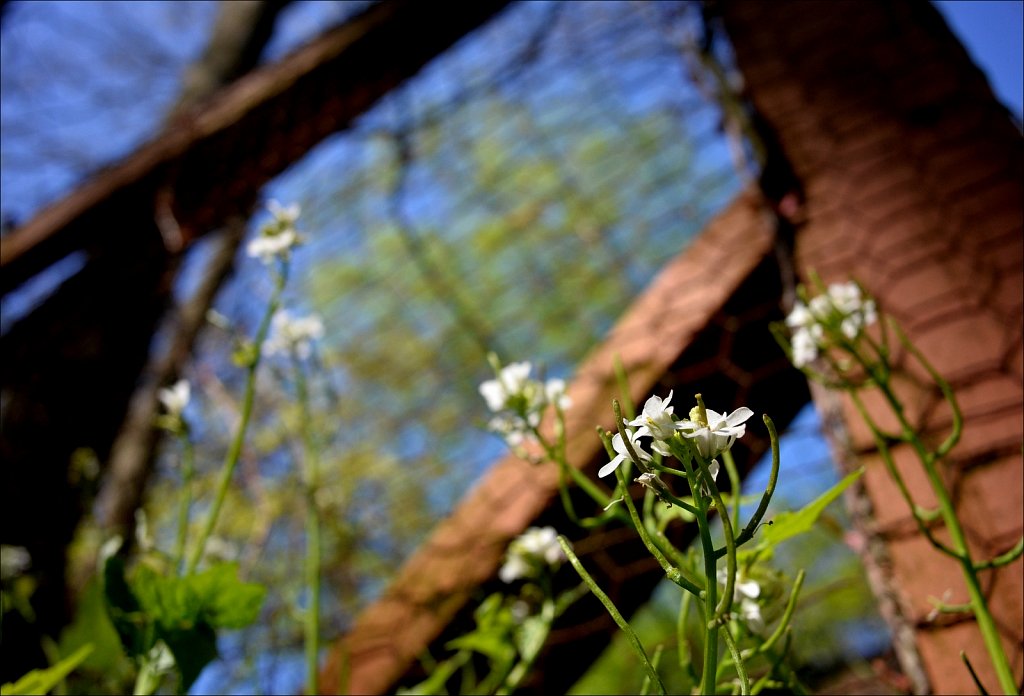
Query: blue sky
x=992, y=31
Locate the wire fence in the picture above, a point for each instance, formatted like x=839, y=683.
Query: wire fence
x=515, y=196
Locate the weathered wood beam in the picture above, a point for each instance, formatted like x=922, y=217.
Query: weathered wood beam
x=214, y=161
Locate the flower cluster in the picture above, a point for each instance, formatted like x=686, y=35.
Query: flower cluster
x=288, y=334
x=519, y=401
x=841, y=308
x=532, y=551
x=278, y=237
x=712, y=432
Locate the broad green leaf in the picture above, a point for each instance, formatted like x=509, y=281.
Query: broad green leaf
x=227, y=601
x=215, y=596
x=193, y=649
x=124, y=610
x=92, y=625
x=786, y=525
x=41, y=681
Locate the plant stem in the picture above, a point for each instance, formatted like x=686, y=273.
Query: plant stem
x=986, y=624
x=185, y=502
x=310, y=456
x=631, y=636
x=235, y=450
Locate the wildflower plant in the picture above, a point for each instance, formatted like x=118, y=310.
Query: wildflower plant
x=168, y=607
x=826, y=337
x=662, y=458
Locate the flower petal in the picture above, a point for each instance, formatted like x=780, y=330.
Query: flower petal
x=738, y=416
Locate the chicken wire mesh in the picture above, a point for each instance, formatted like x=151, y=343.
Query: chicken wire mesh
x=515, y=196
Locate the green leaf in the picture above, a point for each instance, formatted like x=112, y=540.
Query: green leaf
x=92, y=625
x=124, y=610
x=193, y=649
x=215, y=596
x=531, y=635
x=492, y=645
x=226, y=601
x=41, y=681
x=786, y=525
x=188, y=611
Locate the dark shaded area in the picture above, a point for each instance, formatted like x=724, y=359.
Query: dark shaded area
x=73, y=363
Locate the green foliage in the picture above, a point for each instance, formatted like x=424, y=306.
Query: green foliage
x=42, y=681
x=787, y=525
x=107, y=665
x=184, y=612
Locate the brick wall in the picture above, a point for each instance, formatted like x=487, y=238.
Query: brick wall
x=913, y=181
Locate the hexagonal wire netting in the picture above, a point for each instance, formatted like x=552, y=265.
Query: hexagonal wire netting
x=514, y=196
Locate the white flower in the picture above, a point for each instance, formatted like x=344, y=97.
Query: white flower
x=719, y=433
x=519, y=401
x=840, y=308
x=284, y=215
x=622, y=453
x=805, y=348
x=800, y=316
x=750, y=612
x=554, y=391
x=175, y=398
x=268, y=247
x=510, y=382
x=276, y=239
x=527, y=554
x=296, y=334
x=657, y=419
x=745, y=593
x=845, y=297
x=14, y=560
x=542, y=542
x=515, y=567
x=511, y=427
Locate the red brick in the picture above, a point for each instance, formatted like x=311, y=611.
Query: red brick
x=995, y=434
x=991, y=503
x=915, y=398
x=960, y=348
x=1006, y=599
x=940, y=651
x=923, y=286
x=892, y=513
x=980, y=399
x=921, y=572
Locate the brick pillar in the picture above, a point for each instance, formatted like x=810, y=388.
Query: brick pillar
x=912, y=173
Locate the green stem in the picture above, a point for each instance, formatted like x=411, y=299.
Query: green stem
x=734, y=484
x=674, y=574
x=185, y=502
x=235, y=450
x=741, y=670
x=773, y=478
x=613, y=611
x=711, y=623
x=313, y=552
x=986, y=624
x=787, y=615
